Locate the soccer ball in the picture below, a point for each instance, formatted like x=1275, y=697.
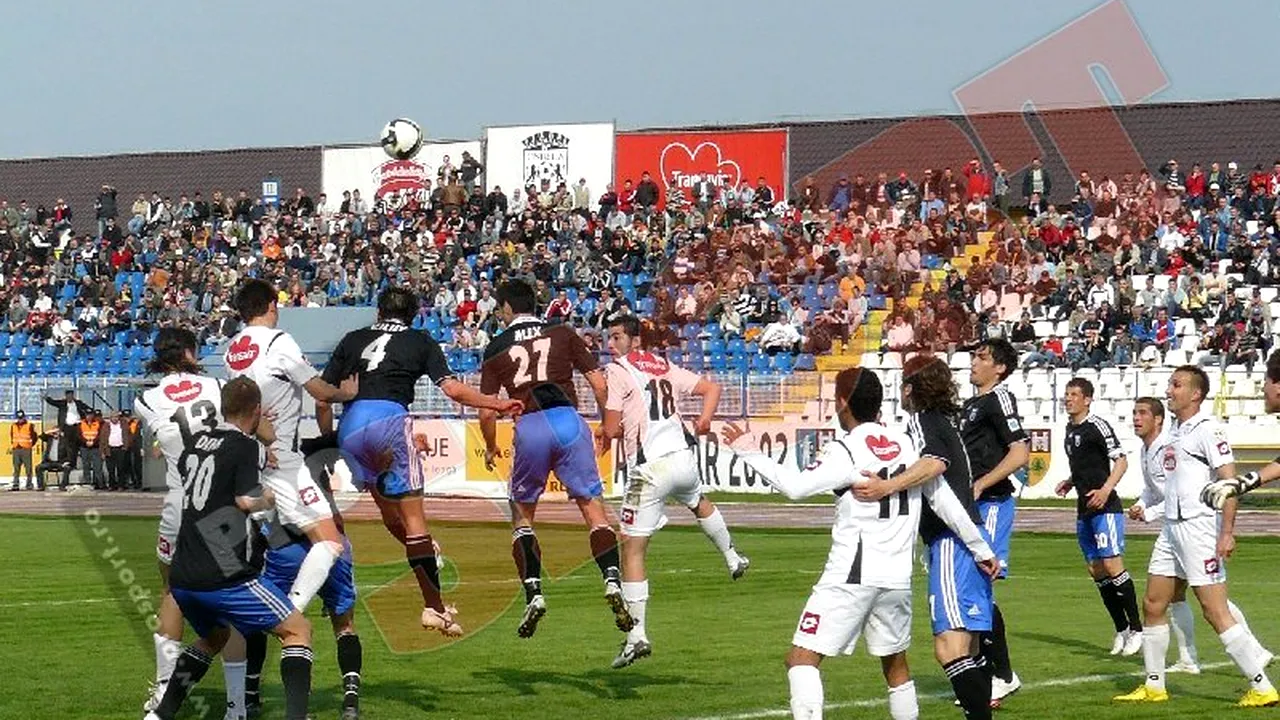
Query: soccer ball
x=402, y=138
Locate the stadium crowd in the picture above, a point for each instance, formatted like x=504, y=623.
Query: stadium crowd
x=714, y=270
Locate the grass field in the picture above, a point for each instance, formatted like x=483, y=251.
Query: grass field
x=73, y=639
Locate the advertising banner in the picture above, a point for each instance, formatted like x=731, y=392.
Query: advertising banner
x=517, y=157
x=681, y=160
x=373, y=173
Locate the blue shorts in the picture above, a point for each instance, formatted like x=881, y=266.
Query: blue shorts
x=1101, y=536
x=557, y=439
x=959, y=592
x=250, y=607
x=376, y=439
x=339, y=589
x=997, y=519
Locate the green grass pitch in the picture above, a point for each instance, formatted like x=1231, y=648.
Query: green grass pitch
x=74, y=643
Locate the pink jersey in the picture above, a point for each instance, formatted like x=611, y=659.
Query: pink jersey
x=647, y=390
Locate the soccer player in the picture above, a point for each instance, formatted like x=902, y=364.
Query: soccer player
x=1148, y=425
x=643, y=409
x=212, y=579
x=183, y=404
x=998, y=447
x=376, y=431
x=1097, y=462
x=959, y=592
x=273, y=360
x=1219, y=491
x=534, y=362
x=1194, y=545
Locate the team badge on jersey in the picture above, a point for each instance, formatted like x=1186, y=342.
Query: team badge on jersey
x=1170, y=459
x=882, y=447
x=809, y=623
x=242, y=353
x=183, y=392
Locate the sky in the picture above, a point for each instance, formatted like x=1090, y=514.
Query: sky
x=145, y=75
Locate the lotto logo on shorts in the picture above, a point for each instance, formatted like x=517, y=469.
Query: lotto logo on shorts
x=163, y=544
x=628, y=516
x=308, y=496
x=809, y=623
x=1211, y=566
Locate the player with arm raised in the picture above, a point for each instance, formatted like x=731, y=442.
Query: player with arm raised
x=1194, y=545
x=866, y=585
x=643, y=410
x=534, y=362
x=998, y=447
x=213, y=579
x=273, y=360
x=1216, y=493
x=183, y=404
x=959, y=594
x=376, y=431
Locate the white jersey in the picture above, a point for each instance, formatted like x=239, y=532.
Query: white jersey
x=273, y=360
x=182, y=405
x=1196, y=449
x=646, y=390
x=871, y=543
x=1153, y=472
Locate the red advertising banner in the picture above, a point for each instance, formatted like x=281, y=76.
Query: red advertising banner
x=684, y=159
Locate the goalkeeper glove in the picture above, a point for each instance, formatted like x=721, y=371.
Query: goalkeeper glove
x=1216, y=493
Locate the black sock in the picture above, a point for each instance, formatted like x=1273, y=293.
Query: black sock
x=191, y=666
x=528, y=556
x=1127, y=599
x=1110, y=600
x=295, y=674
x=350, y=659
x=996, y=648
x=604, y=548
x=972, y=687
x=255, y=658
x=420, y=552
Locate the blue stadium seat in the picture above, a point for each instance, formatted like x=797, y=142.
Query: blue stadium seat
x=18, y=340
x=876, y=302
x=626, y=280
x=713, y=329
x=736, y=346
x=739, y=363
x=647, y=305
x=690, y=331
x=760, y=364
x=431, y=323
x=572, y=294
x=716, y=346
x=643, y=277
x=694, y=361
x=116, y=353
x=783, y=363
x=718, y=362
x=694, y=347
x=99, y=352
x=806, y=362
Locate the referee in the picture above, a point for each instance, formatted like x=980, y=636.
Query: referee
x=998, y=447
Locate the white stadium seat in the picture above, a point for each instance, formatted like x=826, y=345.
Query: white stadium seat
x=870, y=360
x=1044, y=328
x=960, y=360
x=1162, y=281
x=891, y=360
x=1174, y=358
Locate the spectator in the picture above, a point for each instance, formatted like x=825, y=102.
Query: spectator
x=91, y=440
x=114, y=447
x=1036, y=184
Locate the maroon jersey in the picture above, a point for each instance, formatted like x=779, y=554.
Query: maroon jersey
x=534, y=363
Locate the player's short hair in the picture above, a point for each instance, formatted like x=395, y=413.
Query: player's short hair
x=1084, y=386
x=630, y=325
x=519, y=295
x=1273, y=366
x=398, y=303
x=240, y=396
x=254, y=299
x=862, y=392
x=171, y=346
x=932, y=385
x=1002, y=353
x=1202, y=377
x=1151, y=403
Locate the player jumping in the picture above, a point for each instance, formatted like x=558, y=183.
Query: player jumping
x=184, y=403
x=376, y=432
x=998, y=447
x=534, y=362
x=643, y=409
x=1194, y=545
x=212, y=579
x=273, y=360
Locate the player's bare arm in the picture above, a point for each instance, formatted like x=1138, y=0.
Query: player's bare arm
x=324, y=417
x=258, y=503
x=922, y=470
x=464, y=394
x=324, y=392
x=1216, y=493
x=600, y=388
x=1097, y=499
x=1227, y=526
x=947, y=507
x=489, y=431
x=1018, y=455
x=796, y=484
x=709, y=391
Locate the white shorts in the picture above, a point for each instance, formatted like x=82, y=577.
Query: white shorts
x=836, y=615
x=299, y=501
x=674, y=475
x=1188, y=549
x=170, y=521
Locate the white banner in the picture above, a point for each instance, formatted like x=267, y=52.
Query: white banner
x=516, y=157
x=373, y=173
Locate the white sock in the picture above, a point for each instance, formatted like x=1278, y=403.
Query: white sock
x=167, y=652
x=1183, y=624
x=1247, y=655
x=1238, y=614
x=1155, y=645
x=902, y=702
x=233, y=673
x=714, y=527
x=637, y=596
x=311, y=576
x=806, y=692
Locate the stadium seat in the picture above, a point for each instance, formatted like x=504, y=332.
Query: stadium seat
x=784, y=363
x=736, y=346
x=871, y=360
x=960, y=360
x=759, y=363
x=1174, y=358
x=694, y=361
x=676, y=356
x=718, y=362
x=1043, y=328
x=891, y=360
x=806, y=363
x=716, y=346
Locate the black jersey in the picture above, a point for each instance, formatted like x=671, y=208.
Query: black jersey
x=1091, y=448
x=989, y=425
x=389, y=358
x=935, y=436
x=214, y=550
x=534, y=362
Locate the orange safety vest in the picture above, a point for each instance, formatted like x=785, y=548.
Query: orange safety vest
x=133, y=426
x=22, y=435
x=89, y=431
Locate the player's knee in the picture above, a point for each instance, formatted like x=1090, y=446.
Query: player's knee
x=295, y=630
x=343, y=624
x=798, y=656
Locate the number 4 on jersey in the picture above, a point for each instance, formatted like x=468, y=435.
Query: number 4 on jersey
x=375, y=351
